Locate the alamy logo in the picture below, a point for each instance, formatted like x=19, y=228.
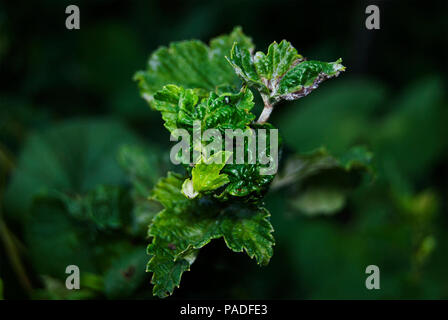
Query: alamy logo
x=373, y=280
x=373, y=20
x=72, y=21
x=72, y=281
x=246, y=147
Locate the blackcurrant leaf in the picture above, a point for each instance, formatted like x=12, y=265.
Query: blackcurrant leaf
x=72, y=157
x=282, y=73
x=178, y=235
x=192, y=64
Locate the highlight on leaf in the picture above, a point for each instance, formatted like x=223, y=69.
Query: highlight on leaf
x=206, y=175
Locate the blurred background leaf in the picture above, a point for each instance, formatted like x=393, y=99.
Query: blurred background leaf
x=70, y=157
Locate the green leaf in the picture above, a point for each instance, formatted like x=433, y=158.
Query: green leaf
x=227, y=111
x=192, y=64
x=182, y=222
x=1, y=289
x=300, y=167
x=244, y=66
x=51, y=224
x=180, y=107
x=168, y=101
x=167, y=270
x=178, y=235
x=350, y=106
x=321, y=182
x=245, y=228
x=246, y=179
x=107, y=207
x=72, y=157
x=277, y=62
x=126, y=273
x=206, y=175
x=168, y=192
x=142, y=166
x=282, y=73
x=418, y=118
x=306, y=76
x=85, y=229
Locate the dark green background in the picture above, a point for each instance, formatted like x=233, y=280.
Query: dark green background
x=392, y=98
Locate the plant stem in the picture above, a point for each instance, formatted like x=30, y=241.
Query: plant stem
x=14, y=257
x=264, y=116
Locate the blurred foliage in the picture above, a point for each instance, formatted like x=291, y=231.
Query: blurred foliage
x=70, y=157
x=79, y=149
x=319, y=183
